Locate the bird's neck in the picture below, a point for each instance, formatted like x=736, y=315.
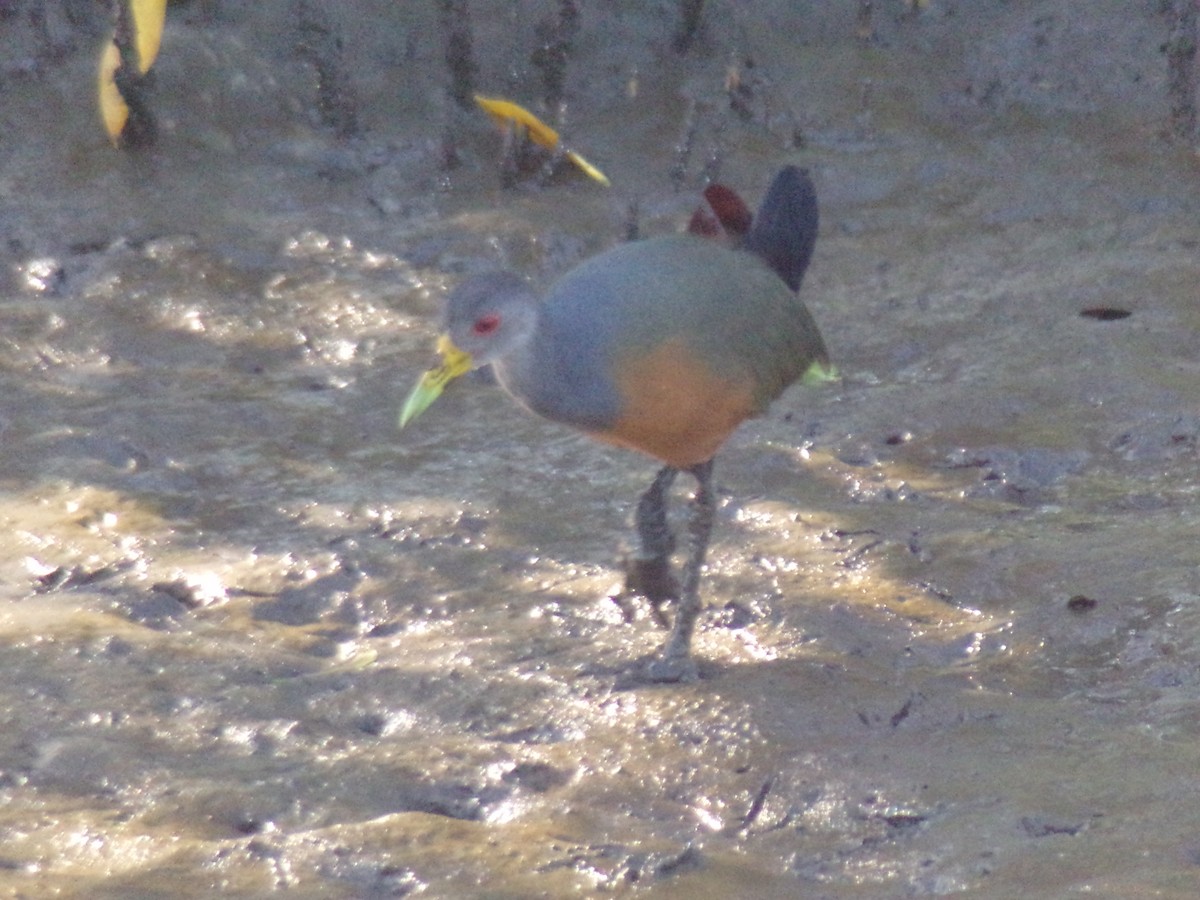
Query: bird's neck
x=516, y=369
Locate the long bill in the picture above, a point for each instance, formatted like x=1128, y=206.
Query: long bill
x=455, y=362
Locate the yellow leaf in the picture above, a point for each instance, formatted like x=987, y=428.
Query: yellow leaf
x=509, y=114
x=113, y=110
x=588, y=169
x=505, y=112
x=149, y=16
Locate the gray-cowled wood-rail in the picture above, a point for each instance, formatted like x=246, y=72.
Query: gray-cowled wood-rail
x=662, y=345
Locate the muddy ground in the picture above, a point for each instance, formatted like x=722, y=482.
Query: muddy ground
x=256, y=640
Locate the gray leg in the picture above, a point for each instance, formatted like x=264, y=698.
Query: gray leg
x=676, y=663
x=648, y=571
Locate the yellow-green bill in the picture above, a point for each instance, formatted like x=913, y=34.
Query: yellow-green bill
x=819, y=373
x=455, y=362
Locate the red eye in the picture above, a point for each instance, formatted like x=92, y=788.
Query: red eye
x=486, y=324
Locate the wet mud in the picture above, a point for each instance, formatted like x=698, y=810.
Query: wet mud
x=255, y=640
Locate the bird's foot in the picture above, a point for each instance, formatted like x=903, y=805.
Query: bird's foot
x=675, y=662
x=673, y=669
x=652, y=579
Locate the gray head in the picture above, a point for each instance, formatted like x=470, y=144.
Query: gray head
x=491, y=315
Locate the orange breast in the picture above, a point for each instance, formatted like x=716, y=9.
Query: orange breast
x=675, y=408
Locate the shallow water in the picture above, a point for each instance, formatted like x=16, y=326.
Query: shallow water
x=257, y=640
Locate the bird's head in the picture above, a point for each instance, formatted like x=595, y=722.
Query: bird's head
x=488, y=317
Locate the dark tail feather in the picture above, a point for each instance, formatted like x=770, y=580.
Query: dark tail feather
x=730, y=209
x=729, y=216
x=704, y=224
x=785, y=230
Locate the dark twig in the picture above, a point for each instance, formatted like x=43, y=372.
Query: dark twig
x=320, y=43
x=454, y=17
x=1181, y=67
x=689, y=24
x=555, y=40
x=683, y=147
x=140, y=130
